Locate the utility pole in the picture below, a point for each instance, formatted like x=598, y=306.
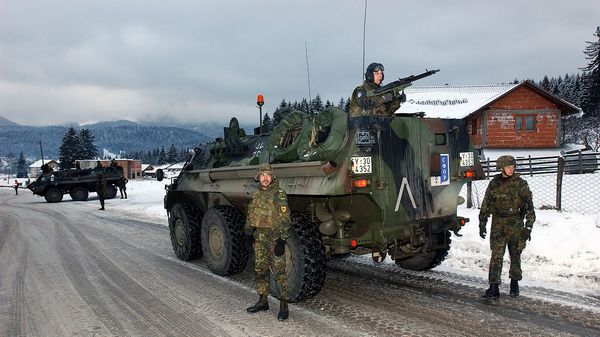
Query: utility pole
x=41, y=150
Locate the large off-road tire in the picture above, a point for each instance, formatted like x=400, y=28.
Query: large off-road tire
x=184, y=227
x=223, y=241
x=426, y=261
x=305, y=265
x=160, y=174
x=53, y=195
x=111, y=191
x=79, y=193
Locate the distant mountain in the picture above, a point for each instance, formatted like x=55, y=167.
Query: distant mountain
x=117, y=137
x=4, y=121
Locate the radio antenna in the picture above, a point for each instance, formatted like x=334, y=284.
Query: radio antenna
x=362, y=73
x=308, y=75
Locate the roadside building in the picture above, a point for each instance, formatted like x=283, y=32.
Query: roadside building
x=36, y=168
x=499, y=118
x=132, y=168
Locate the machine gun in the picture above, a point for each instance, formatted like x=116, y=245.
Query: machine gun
x=395, y=88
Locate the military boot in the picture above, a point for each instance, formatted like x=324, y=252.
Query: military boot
x=492, y=293
x=514, y=288
x=283, y=311
x=262, y=304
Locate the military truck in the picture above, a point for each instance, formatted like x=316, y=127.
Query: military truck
x=366, y=185
x=77, y=183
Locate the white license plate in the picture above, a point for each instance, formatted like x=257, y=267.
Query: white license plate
x=467, y=159
x=362, y=165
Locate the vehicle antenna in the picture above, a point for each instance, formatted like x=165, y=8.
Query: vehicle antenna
x=308, y=75
x=362, y=73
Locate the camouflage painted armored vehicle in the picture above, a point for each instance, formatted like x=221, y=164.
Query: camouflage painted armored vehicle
x=77, y=183
x=366, y=185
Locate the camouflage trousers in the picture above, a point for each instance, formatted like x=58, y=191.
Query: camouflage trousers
x=264, y=243
x=505, y=232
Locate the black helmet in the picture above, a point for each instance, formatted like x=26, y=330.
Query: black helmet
x=373, y=67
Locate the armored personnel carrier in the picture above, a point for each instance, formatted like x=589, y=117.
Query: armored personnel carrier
x=366, y=185
x=77, y=183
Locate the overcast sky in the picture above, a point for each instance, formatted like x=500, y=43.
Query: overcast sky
x=200, y=61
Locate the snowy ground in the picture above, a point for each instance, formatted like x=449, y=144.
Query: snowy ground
x=564, y=252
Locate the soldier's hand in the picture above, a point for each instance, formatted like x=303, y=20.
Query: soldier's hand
x=527, y=233
x=279, y=249
x=402, y=97
x=482, y=231
x=249, y=230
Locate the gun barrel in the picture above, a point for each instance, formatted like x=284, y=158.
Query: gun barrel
x=401, y=83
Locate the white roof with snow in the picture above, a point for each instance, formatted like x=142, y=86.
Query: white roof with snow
x=451, y=101
x=38, y=163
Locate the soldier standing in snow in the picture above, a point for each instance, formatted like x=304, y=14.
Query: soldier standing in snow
x=123, y=186
x=361, y=105
x=269, y=219
x=16, y=187
x=509, y=201
x=101, y=190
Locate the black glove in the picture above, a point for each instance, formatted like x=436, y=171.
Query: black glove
x=402, y=97
x=387, y=97
x=482, y=231
x=527, y=233
x=249, y=230
x=279, y=249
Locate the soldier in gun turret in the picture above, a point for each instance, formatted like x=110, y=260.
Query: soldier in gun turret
x=510, y=201
x=384, y=105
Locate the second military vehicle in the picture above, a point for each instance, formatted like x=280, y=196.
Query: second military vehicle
x=366, y=185
x=77, y=183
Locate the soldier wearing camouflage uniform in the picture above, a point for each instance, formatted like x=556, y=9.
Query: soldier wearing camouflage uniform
x=509, y=201
x=385, y=105
x=269, y=220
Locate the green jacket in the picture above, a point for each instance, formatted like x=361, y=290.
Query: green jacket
x=269, y=209
x=360, y=105
x=508, y=197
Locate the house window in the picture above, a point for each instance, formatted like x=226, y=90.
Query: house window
x=525, y=122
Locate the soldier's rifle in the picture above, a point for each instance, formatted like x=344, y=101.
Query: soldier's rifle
x=397, y=87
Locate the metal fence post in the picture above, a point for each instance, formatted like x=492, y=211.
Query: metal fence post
x=559, y=176
x=469, y=194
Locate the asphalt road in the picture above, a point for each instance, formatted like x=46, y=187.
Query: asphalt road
x=68, y=269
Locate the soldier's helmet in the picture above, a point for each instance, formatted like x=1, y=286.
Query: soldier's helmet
x=373, y=67
x=264, y=168
x=504, y=161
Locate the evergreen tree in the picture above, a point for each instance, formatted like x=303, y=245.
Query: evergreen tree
x=591, y=77
x=70, y=149
x=266, y=123
x=341, y=103
x=316, y=105
x=172, y=156
x=545, y=84
x=21, y=167
x=90, y=151
x=162, y=157
x=283, y=104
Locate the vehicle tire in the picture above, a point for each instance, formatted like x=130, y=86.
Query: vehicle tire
x=111, y=191
x=53, y=195
x=426, y=261
x=160, y=174
x=223, y=241
x=305, y=265
x=184, y=227
x=79, y=193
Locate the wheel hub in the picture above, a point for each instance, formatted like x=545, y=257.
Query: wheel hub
x=180, y=232
x=216, y=241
